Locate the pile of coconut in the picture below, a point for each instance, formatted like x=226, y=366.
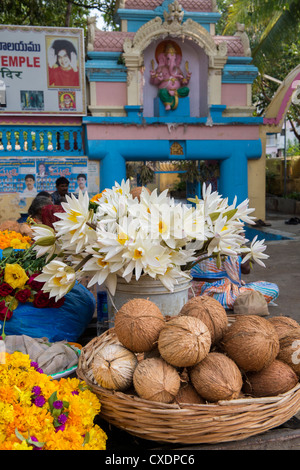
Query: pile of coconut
x=198, y=356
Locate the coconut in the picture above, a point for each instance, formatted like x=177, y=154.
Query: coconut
x=284, y=325
x=184, y=341
x=188, y=394
x=277, y=378
x=217, y=377
x=155, y=380
x=138, y=324
x=289, y=351
x=251, y=342
x=113, y=367
x=136, y=192
x=211, y=312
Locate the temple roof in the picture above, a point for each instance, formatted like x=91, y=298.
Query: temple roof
x=187, y=5
x=112, y=41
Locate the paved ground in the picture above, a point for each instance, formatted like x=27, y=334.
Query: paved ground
x=283, y=266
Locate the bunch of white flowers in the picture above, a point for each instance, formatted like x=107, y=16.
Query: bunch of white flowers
x=150, y=235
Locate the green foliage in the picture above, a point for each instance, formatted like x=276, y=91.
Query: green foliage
x=68, y=13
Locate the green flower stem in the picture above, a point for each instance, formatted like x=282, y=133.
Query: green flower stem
x=82, y=262
x=4, y=321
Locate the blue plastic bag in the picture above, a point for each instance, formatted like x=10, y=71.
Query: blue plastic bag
x=57, y=324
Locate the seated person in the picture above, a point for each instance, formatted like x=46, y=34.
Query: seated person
x=42, y=210
x=225, y=283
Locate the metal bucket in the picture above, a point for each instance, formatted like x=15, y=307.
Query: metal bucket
x=169, y=303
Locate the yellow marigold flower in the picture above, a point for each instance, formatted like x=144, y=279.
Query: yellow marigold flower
x=10, y=238
x=97, y=196
x=22, y=446
x=19, y=413
x=97, y=439
x=15, y=275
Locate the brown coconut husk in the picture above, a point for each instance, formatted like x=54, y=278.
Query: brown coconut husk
x=188, y=394
x=273, y=380
x=138, y=324
x=216, y=378
x=184, y=341
x=136, y=192
x=155, y=380
x=289, y=351
x=251, y=342
x=211, y=312
x=10, y=225
x=284, y=325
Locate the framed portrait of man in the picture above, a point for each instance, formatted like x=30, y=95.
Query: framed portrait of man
x=63, y=62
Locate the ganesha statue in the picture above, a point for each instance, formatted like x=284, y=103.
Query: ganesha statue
x=168, y=76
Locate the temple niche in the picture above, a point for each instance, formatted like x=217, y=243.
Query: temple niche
x=185, y=79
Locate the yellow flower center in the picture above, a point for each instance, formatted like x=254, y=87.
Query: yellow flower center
x=102, y=263
x=122, y=238
x=162, y=227
x=57, y=280
x=73, y=216
x=138, y=253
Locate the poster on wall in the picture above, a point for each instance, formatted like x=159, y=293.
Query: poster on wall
x=41, y=70
x=27, y=177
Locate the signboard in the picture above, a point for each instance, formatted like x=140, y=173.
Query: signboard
x=29, y=176
x=42, y=71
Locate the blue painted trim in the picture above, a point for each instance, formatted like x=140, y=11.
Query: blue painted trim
x=239, y=60
x=106, y=55
x=155, y=150
x=139, y=120
x=104, y=67
x=238, y=73
x=137, y=18
x=108, y=75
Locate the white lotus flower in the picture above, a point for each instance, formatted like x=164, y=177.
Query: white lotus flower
x=102, y=271
x=45, y=241
x=75, y=217
x=255, y=252
x=141, y=254
x=59, y=278
x=224, y=239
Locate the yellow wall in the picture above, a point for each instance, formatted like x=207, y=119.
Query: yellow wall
x=257, y=181
x=11, y=206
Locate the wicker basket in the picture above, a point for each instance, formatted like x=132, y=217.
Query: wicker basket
x=189, y=424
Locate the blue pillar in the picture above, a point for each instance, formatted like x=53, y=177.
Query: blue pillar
x=234, y=176
x=112, y=169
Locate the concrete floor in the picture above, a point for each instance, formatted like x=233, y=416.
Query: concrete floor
x=282, y=266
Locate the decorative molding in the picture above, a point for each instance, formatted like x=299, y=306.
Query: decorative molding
x=91, y=22
x=155, y=29
x=107, y=111
x=241, y=33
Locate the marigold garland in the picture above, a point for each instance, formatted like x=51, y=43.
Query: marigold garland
x=10, y=238
x=38, y=413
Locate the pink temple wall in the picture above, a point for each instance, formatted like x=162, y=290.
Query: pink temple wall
x=111, y=94
x=119, y=132
x=234, y=94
